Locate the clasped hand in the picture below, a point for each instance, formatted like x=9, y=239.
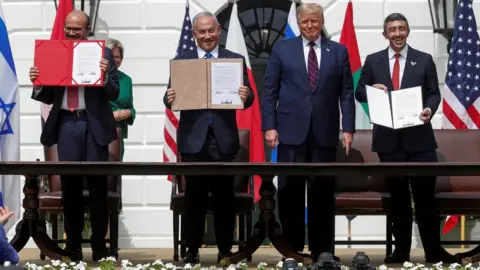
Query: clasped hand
x=243, y=92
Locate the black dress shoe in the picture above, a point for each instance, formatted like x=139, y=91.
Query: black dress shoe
x=76, y=256
x=192, y=257
x=397, y=257
x=99, y=254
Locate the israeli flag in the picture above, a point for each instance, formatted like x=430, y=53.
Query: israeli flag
x=10, y=185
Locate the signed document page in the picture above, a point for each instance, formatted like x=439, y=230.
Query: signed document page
x=225, y=80
x=379, y=107
x=407, y=105
x=86, y=63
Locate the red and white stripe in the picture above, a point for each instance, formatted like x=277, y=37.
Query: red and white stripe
x=455, y=116
x=170, y=137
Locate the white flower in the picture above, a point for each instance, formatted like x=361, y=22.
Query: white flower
x=170, y=266
x=187, y=266
x=231, y=267
x=261, y=265
x=454, y=266
x=80, y=266
x=279, y=264
x=126, y=263
x=157, y=262
x=56, y=262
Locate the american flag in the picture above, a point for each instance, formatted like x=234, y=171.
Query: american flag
x=461, y=105
x=185, y=44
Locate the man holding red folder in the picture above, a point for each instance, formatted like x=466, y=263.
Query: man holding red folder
x=81, y=124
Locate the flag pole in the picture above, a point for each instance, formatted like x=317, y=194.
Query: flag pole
x=462, y=230
x=349, y=233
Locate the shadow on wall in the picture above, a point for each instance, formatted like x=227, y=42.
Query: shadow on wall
x=124, y=237
x=101, y=30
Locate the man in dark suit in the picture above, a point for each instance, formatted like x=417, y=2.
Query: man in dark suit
x=81, y=124
x=209, y=135
x=306, y=79
x=397, y=67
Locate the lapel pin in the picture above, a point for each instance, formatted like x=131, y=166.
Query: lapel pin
x=327, y=49
x=413, y=63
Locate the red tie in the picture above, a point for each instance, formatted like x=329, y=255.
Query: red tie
x=312, y=65
x=396, y=73
x=72, y=98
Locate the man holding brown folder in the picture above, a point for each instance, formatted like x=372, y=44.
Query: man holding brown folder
x=209, y=135
x=81, y=124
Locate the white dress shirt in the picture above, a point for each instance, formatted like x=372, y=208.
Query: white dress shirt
x=401, y=60
x=306, y=50
x=202, y=53
x=81, y=98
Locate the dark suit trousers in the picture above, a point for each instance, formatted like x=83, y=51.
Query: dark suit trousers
x=196, y=194
x=320, y=198
x=423, y=191
x=76, y=143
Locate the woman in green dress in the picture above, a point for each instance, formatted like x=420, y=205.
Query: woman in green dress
x=123, y=110
x=123, y=113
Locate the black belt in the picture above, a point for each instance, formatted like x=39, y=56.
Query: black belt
x=77, y=113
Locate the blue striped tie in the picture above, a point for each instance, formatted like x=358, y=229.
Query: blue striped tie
x=209, y=55
x=312, y=66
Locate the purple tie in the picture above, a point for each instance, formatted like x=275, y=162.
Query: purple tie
x=312, y=65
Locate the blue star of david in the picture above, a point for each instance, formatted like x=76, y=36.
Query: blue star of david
x=6, y=108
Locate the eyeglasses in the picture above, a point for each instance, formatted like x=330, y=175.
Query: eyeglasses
x=74, y=29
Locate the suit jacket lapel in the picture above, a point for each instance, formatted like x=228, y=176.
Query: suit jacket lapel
x=384, y=68
x=298, y=53
x=409, y=68
x=221, y=53
x=324, y=63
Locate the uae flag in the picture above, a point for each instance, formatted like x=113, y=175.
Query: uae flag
x=250, y=118
x=348, y=38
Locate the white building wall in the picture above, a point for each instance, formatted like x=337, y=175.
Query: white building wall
x=149, y=30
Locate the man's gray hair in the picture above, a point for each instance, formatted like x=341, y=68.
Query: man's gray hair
x=114, y=43
x=204, y=14
x=310, y=7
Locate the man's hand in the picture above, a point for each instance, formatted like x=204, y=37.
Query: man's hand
x=425, y=115
x=116, y=115
x=5, y=214
x=380, y=86
x=170, y=95
x=243, y=92
x=271, y=136
x=347, y=141
x=104, y=65
x=33, y=73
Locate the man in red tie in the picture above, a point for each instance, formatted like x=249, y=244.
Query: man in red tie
x=398, y=67
x=81, y=124
x=307, y=83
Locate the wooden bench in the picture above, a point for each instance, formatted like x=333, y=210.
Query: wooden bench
x=456, y=195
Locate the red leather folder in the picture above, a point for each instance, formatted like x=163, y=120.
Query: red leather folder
x=54, y=60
